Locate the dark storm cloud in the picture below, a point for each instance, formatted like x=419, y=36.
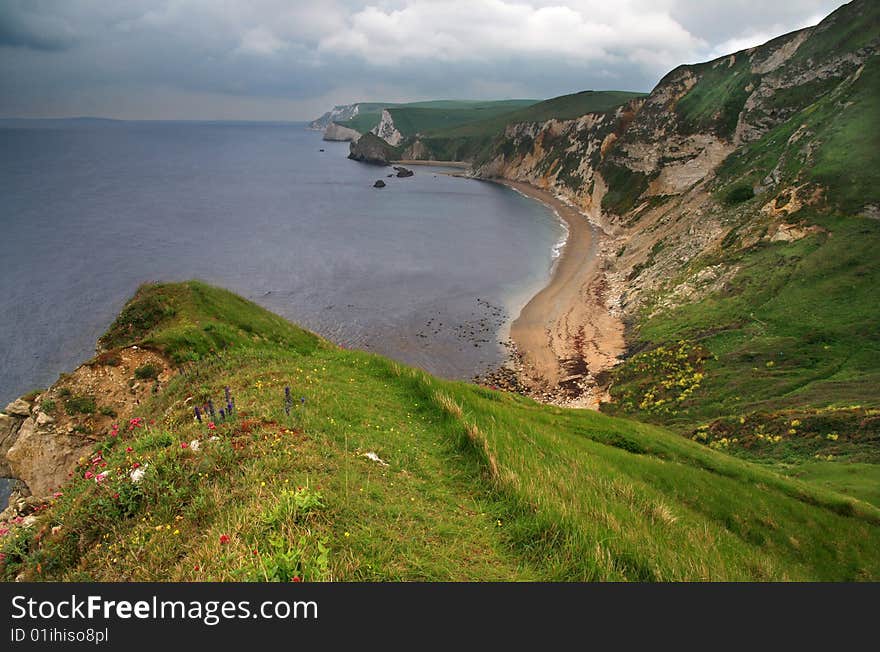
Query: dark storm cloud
x=22, y=24
x=275, y=59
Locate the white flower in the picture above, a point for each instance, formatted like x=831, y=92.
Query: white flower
x=138, y=474
x=194, y=445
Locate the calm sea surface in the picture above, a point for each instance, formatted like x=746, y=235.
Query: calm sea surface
x=426, y=270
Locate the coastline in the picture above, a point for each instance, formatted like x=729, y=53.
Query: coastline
x=565, y=335
x=438, y=164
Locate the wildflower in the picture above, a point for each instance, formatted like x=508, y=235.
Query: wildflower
x=135, y=465
x=211, y=409
x=89, y=475
x=116, y=496
x=288, y=401
x=296, y=578
x=211, y=426
x=194, y=444
x=129, y=449
x=138, y=473
x=222, y=415
x=198, y=414
x=57, y=494
x=196, y=567
x=183, y=444
x=224, y=539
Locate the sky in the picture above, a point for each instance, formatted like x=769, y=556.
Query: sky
x=293, y=60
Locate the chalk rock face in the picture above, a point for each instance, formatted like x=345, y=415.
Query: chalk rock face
x=387, y=131
x=42, y=457
x=337, y=132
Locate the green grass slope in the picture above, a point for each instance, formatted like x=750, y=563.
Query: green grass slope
x=472, y=484
x=416, y=116
x=782, y=364
x=471, y=140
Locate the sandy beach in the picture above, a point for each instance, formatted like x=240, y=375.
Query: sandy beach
x=565, y=334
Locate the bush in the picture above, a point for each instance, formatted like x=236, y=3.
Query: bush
x=739, y=194
x=147, y=372
x=80, y=405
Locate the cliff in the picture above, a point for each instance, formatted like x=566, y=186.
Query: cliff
x=336, y=132
x=711, y=191
x=387, y=131
x=338, y=113
x=269, y=454
x=369, y=148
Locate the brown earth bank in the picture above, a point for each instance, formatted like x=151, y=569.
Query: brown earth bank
x=566, y=335
x=43, y=434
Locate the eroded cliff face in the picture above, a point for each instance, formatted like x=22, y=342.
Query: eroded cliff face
x=340, y=112
x=654, y=174
x=337, y=132
x=386, y=130
x=44, y=436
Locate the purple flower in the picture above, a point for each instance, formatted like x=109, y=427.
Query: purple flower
x=198, y=414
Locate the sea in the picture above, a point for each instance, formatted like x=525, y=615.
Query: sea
x=429, y=270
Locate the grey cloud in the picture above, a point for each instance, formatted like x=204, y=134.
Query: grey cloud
x=282, y=60
x=23, y=25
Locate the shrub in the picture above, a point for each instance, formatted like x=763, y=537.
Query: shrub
x=146, y=372
x=739, y=194
x=80, y=405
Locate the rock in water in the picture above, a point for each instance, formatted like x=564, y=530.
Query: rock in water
x=372, y=149
x=402, y=172
x=379, y=184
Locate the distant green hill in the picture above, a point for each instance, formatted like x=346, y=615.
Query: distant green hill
x=465, y=483
x=472, y=140
x=418, y=116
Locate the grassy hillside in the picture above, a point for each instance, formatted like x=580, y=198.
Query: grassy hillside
x=782, y=363
x=472, y=140
x=431, y=114
x=472, y=484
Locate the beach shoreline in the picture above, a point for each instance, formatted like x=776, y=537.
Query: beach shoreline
x=565, y=335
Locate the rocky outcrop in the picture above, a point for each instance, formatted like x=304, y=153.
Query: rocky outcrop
x=372, y=149
x=340, y=112
x=386, y=130
x=403, y=172
x=379, y=184
x=648, y=172
x=43, y=437
x=337, y=132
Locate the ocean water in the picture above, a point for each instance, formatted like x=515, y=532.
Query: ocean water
x=428, y=270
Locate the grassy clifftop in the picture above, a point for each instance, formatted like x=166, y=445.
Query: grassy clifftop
x=375, y=471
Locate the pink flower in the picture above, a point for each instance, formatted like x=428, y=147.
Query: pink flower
x=135, y=465
x=183, y=444
x=89, y=475
x=129, y=449
x=57, y=494
x=211, y=426
x=224, y=538
x=296, y=578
